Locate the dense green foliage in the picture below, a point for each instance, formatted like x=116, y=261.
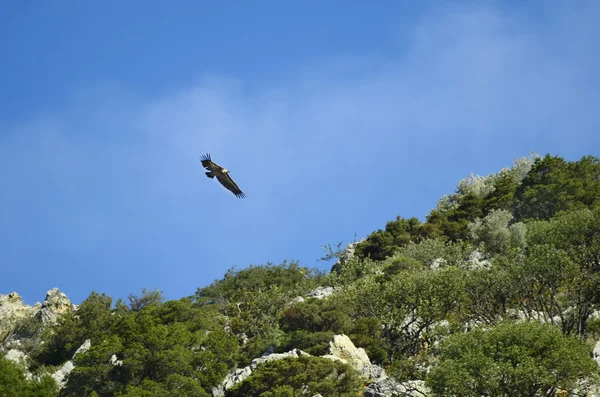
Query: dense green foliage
x=494, y=294
x=302, y=376
x=525, y=359
x=529, y=190
x=14, y=384
x=174, y=344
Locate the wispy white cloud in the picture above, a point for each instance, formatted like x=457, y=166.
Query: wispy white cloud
x=342, y=145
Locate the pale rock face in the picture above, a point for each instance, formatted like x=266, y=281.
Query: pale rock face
x=12, y=309
x=476, y=260
x=389, y=387
x=56, y=303
x=318, y=293
x=17, y=356
x=297, y=299
x=438, y=263
x=321, y=292
x=596, y=352
x=60, y=375
x=113, y=360
x=341, y=348
x=348, y=253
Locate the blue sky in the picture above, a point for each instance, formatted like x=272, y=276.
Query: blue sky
x=333, y=117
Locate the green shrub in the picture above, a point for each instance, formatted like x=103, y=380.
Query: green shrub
x=300, y=377
x=523, y=359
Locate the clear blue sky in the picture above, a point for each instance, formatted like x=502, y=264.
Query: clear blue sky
x=333, y=117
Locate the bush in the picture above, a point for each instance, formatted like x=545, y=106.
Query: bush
x=510, y=360
x=14, y=384
x=301, y=376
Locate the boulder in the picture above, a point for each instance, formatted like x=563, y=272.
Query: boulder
x=391, y=388
x=55, y=304
x=341, y=348
x=12, y=310
x=321, y=292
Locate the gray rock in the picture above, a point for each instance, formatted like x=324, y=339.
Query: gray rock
x=341, y=348
x=12, y=310
x=56, y=303
x=113, y=360
x=18, y=357
x=391, y=388
x=321, y=292
x=346, y=255
x=297, y=299
x=61, y=374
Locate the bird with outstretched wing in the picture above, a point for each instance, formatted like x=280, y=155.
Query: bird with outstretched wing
x=222, y=174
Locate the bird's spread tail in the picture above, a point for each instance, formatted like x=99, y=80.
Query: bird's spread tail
x=210, y=174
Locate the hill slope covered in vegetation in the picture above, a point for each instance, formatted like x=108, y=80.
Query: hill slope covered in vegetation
x=496, y=293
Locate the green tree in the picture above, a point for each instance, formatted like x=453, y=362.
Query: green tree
x=92, y=320
x=14, y=384
x=554, y=185
x=491, y=292
x=177, y=346
x=503, y=196
x=495, y=234
x=12, y=380
x=408, y=305
x=148, y=297
x=560, y=276
x=305, y=375
x=523, y=359
x=252, y=299
x=384, y=243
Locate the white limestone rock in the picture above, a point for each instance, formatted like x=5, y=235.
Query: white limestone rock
x=12, y=310
x=55, y=304
x=61, y=374
x=18, y=357
x=321, y=292
x=392, y=388
x=341, y=348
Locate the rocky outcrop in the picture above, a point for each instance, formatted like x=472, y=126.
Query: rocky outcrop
x=341, y=348
x=320, y=292
x=391, y=388
x=19, y=323
x=13, y=311
x=60, y=375
x=18, y=357
x=317, y=293
x=55, y=304
x=346, y=255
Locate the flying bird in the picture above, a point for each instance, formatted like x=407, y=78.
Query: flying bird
x=222, y=175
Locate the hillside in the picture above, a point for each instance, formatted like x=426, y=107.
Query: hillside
x=496, y=293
